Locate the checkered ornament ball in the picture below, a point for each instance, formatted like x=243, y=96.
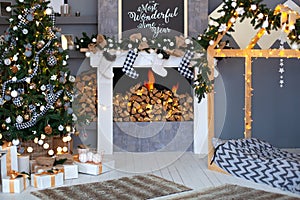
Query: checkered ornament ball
x=52, y=61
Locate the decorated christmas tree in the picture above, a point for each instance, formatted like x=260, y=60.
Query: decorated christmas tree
x=36, y=88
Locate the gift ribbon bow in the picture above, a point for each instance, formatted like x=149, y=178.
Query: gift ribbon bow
x=12, y=176
x=101, y=41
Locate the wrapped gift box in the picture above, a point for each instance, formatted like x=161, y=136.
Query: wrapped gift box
x=93, y=168
x=46, y=180
x=70, y=171
x=16, y=185
x=9, y=162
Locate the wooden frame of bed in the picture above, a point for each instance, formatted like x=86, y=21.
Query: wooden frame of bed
x=248, y=53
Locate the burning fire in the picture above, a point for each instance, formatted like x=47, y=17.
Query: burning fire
x=151, y=81
x=175, y=88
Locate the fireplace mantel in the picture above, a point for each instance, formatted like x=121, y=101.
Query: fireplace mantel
x=105, y=99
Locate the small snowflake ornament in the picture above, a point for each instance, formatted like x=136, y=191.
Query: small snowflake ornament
x=240, y=10
x=53, y=77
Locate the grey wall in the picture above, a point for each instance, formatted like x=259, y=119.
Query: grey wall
x=275, y=110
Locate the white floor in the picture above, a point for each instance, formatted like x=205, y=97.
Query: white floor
x=184, y=168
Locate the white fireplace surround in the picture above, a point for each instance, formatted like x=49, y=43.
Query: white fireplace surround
x=105, y=99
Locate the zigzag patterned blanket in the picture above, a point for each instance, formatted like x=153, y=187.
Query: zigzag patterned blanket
x=259, y=161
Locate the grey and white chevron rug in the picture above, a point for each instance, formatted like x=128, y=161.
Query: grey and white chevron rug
x=126, y=188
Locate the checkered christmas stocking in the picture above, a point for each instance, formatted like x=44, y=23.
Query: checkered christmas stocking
x=128, y=64
x=184, y=65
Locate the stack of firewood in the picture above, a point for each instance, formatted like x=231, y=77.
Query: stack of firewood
x=143, y=105
x=86, y=84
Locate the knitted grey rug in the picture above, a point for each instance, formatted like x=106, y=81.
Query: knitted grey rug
x=131, y=188
x=230, y=192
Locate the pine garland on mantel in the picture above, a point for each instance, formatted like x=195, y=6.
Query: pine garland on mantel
x=261, y=17
x=165, y=46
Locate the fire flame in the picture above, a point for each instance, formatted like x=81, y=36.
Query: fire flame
x=175, y=88
x=151, y=81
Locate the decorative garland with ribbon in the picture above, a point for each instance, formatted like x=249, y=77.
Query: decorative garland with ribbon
x=282, y=17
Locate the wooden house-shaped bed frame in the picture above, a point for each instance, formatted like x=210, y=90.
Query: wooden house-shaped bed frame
x=248, y=53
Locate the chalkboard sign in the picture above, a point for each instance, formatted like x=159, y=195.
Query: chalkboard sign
x=153, y=18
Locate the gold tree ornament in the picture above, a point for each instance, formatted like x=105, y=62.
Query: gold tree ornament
x=58, y=103
x=48, y=129
x=26, y=117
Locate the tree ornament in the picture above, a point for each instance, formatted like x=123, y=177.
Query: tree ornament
x=48, y=129
x=7, y=97
x=51, y=60
x=8, y=120
x=32, y=86
x=25, y=31
x=42, y=108
x=40, y=44
x=14, y=79
x=60, y=127
x=26, y=117
x=3, y=126
x=58, y=103
x=7, y=61
x=53, y=77
x=19, y=119
x=43, y=87
x=18, y=101
x=14, y=93
x=15, y=142
x=15, y=57
x=21, y=1
x=28, y=48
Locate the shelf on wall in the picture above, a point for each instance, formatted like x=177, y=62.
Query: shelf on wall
x=70, y=20
x=75, y=54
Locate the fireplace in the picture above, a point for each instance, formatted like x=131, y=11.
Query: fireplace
x=152, y=113
x=131, y=131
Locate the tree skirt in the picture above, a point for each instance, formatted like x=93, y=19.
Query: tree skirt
x=260, y=162
x=131, y=188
